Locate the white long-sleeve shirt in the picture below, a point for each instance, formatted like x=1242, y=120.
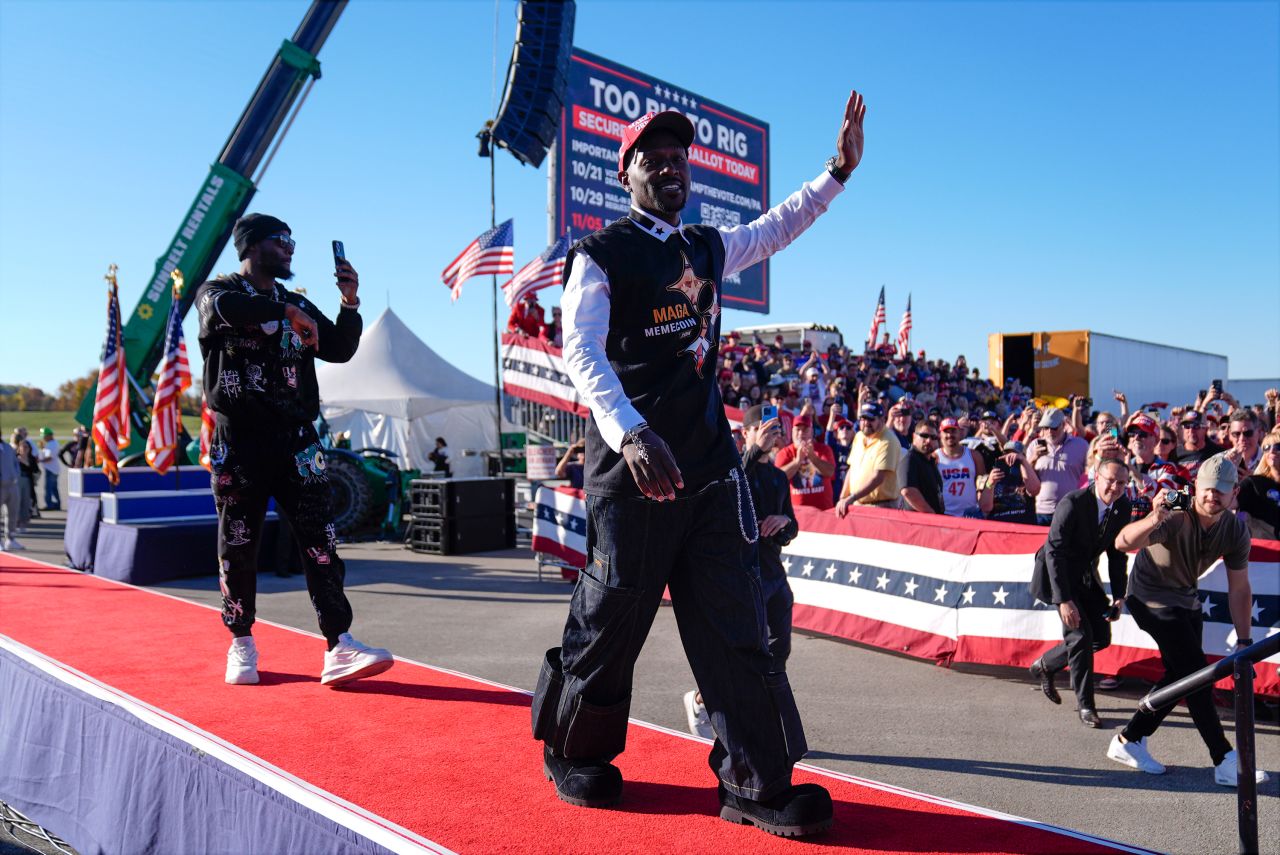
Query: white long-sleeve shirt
x=585, y=305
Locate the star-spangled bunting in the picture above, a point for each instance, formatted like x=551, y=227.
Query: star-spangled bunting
x=492, y=252
x=111, y=403
x=174, y=379
x=547, y=269
x=904, y=332
x=877, y=321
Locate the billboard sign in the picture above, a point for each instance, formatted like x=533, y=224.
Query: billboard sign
x=729, y=159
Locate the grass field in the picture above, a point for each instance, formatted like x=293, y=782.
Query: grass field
x=62, y=423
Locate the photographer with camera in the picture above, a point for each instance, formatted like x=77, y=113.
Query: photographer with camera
x=1149, y=474
x=1085, y=525
x=1180, y=539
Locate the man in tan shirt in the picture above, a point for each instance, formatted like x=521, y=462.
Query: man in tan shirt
x=873, y=463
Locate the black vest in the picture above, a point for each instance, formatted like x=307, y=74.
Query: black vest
x=663, y=343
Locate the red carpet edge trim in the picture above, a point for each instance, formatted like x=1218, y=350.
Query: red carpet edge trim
x=351, y=816
x=374, y=827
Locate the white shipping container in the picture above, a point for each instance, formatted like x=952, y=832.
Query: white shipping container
x=1147, y=372
x=1082, y=362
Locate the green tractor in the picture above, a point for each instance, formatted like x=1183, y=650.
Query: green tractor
x=368, y=491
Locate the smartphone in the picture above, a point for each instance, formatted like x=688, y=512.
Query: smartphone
x=339, y=252
x=1204, y=392
x=1216, y=385
x=768, y=411
x=1115, y=432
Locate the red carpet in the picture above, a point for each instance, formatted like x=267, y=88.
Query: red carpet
x=445, y=756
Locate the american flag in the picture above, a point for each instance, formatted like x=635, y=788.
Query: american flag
x=173, y=379
x=492, y=252
x=904, y=332
x=877, y=321
x=206, y=433
x=111, y=403
x=546, y=269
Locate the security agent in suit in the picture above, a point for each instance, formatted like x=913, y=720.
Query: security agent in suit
x=1085, y=525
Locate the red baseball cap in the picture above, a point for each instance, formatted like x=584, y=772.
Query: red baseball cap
x=1144, y=425
x=949, y=424
x=668, y=120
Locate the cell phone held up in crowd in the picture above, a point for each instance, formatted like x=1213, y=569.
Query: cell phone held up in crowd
x=339, y=252
x=767, y=412
x=1216, y=385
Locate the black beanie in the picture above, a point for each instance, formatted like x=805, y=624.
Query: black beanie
x=252, y=228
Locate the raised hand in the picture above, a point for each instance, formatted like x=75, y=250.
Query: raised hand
x=849, y=141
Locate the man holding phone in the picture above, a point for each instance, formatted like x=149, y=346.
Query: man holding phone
x=1059, y=460
x=260, y=342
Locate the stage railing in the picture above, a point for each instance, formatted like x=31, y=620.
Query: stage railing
x=1240, y=665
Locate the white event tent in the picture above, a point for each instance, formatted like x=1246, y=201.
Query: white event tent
x=398, y=394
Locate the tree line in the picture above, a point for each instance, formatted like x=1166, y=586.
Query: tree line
x=20, y=398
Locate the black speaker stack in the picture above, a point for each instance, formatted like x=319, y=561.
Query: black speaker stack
x=456, y=516
x=529, y=116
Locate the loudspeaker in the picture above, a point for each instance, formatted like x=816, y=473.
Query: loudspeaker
x=461, y=497
x=537, y=77
x=462, y=535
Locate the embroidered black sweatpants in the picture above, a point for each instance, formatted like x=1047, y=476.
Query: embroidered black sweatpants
x=252, y=465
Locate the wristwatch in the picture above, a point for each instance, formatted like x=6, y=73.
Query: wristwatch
x=836, y=172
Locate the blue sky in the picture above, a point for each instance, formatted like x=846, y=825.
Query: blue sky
x=1029, y=166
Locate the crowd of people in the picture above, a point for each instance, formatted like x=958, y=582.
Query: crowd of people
x=23, y=466
x=931, y=436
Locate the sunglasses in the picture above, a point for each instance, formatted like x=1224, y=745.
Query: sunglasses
x=1193, y=425
x=1247, y=434
x=931, y=436
x=1166, y=440
x=1267, y=449
x=283, y=239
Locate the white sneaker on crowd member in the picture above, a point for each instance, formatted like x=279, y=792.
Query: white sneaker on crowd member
x=242, y=662
x=12, y=545
x=1134, y=755
x=350, y=660
x=1226, y=772
x=699, y=721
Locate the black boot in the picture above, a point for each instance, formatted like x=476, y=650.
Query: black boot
x=1045, y=676
x=585, y=783
x=796, y=811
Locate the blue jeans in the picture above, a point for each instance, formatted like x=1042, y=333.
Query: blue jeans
x=694, y=546
x=52, y=501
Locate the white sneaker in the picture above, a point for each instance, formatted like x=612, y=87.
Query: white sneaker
x=242, y=662
x=350, y=660
x=12, y=545
x=1134, y=755
x=1227, y=772
x=699, y=721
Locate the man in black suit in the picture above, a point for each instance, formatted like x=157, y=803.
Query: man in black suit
x=1085, y=524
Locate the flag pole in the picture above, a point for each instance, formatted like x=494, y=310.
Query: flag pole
x=497, y=334
x=178, y=283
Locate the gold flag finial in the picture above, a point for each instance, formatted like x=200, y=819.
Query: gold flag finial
x=111, y=274
x=178, y=283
